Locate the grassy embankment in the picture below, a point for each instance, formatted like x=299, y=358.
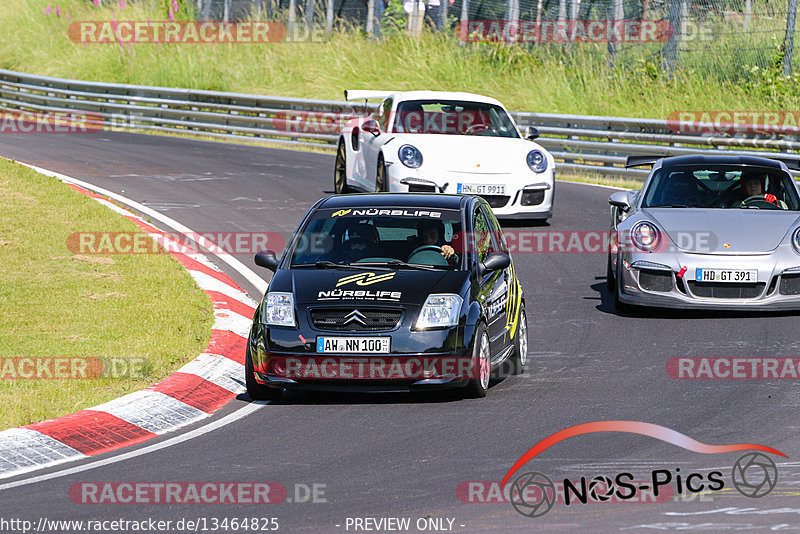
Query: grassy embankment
x=547, y=79
x=140, y=313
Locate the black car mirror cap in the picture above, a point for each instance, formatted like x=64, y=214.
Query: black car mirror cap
x=620, y=200
x=372, y=127
x=495, y=261
x=531, y=133
x=267, y=259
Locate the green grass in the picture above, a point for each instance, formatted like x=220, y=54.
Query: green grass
x=142, y=308
x=545, y=79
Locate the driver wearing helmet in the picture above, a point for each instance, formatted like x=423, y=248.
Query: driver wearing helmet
x=754, y=187
x=429, y=233
x=360, y=242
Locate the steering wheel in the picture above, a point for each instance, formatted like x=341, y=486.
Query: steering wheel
x=476, y=128
x=350, y=251
x=423, y=248
x=757, y=201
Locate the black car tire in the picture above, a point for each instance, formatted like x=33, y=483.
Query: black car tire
x=380, y=177
x=520, y=357
x=258, y=392
x=476, y=387
x=340, y=170
x=620, y=306
x=610, y=282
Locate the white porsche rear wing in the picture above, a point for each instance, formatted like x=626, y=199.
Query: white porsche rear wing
x=350, y=94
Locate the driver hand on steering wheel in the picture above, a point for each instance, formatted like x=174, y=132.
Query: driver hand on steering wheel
x=430, y=233
x=753, y=185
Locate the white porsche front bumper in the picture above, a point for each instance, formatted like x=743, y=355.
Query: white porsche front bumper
x=529, y=196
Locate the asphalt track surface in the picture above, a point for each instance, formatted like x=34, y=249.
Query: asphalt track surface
x=405, y=455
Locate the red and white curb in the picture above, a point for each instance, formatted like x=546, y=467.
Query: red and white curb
x=195, y=391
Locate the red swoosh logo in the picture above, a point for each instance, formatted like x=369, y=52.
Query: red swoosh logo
x=633, y=427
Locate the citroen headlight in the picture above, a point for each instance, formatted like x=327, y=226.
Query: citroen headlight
x=438, y=311
x=410, y=156
x=537, y=161
x=796, y=240
x=280, y=309
x=645, y=236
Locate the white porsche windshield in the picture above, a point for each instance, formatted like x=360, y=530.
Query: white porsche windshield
x=453, y=117
x=721, y=186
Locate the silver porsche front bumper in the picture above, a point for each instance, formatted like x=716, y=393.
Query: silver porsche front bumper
x=670, y=280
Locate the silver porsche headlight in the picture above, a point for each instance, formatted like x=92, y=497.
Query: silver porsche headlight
x=410, y=156
x=439, y=310
x=645, y=236
x=536, y=161
x=796, y=240
x=280, y=309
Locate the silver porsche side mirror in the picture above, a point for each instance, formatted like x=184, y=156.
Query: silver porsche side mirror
x=620, y=200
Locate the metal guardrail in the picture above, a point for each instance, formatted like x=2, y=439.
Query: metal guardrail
x=581, y=143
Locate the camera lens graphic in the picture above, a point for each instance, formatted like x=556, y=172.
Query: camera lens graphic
x=532, y=494
x=754, y=475
x=601, y=488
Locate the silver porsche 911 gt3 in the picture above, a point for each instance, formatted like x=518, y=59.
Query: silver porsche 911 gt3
x=715, y=232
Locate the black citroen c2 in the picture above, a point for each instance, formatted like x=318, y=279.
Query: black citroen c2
x=389, y=292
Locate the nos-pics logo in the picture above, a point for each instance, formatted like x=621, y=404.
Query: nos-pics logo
x=533, y=494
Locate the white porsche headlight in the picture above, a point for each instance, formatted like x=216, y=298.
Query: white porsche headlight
x=280, y=309
x=410, y=156
x=537, y=161
x=439, y=310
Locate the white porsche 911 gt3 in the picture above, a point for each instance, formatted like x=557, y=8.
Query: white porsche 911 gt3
x=435, y=141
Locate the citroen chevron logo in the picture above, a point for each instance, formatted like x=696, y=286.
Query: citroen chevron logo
x=365, y=279
x=355, y=316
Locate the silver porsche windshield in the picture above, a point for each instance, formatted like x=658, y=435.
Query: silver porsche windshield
x=381, y=236
x=453, y=117
x=721, y=186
